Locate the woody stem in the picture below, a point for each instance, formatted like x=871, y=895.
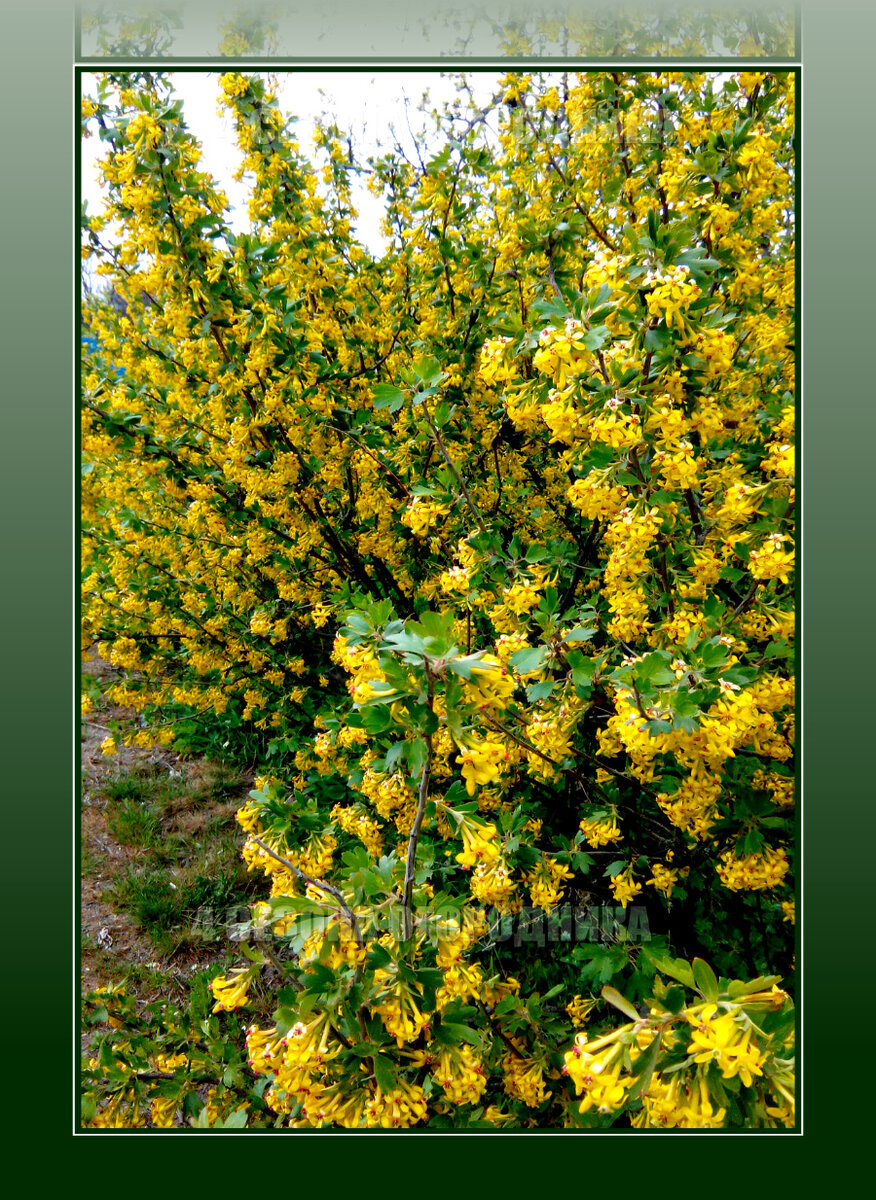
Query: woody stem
x=418, y=819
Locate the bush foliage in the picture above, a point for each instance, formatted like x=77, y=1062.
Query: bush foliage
x=483, y=548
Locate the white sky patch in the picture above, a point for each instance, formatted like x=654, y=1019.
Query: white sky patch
x=367, y=104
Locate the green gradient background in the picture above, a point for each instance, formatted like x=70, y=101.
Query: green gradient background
x=38, y=599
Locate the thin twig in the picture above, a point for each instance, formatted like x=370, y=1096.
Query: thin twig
x=439, y=442
x=418, y=819
x=520, y=742
x=318, y=883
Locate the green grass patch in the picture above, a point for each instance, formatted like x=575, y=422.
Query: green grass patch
x=93, y=860
x=188, y=847
x=149, y=896
x=134, y=822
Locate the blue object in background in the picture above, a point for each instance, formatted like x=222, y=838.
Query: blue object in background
x=93, y=346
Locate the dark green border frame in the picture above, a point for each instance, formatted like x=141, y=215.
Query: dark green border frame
x=838, y=582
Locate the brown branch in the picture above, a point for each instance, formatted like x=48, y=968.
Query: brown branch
x=317, y=883
x=695, y=516
x=520, y=742
x=579, y=207
x=439, y=442
x=418, y=819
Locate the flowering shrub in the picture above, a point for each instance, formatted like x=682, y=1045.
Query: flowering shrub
x=484, y=547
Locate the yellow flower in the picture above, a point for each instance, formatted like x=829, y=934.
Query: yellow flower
x=479, y=844
x=579, y=1009
x=595, y=1069
x=163, y=1110
x=722, y=1040
x=491, y=684
x=546, y=882
x=599, y=831
x=624, y=888
x=524, y=1079
x=232, y=991
x=663, y=879
x=481, y=763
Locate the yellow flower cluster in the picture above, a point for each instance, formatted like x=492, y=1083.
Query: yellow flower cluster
x=663, y=879
x=592, y=473
x=524, y=1079
x=596, y=1070
x=460, y=1075
x=400, y=1108
x=753, y=872
x=478, y=844
x=600, y=831
x=491, y=684
x=672, y=291
x=579, y=1008
x=546, y=882
x=399, y=1011
x=771, y=560
x=678, y=1103
x=722, y=1040
x=561, y=353
x=232, y=991
x=391, y=796
x=355, y=821
x=596, y=498
x=482, y=763
x=624, y=888
x=420, y=516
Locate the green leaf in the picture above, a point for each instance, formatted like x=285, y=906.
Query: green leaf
x=675, y=968
x=376, y=719
x=705, y=980
x=713, y=654
x=528, y=661
x=655, y=668
x=581, y=633
x=613, y=996
x=365, y=1049
x=442, y=414
x=235, y=1120
x=394, y=756
x=387, y=396
x=415, y=755
x=658, y=339
x=674, y=1000
x=656, y=725
x=539, y=691
x=644, y=1069
x=779, y=650
x=428, y=371
x=432, y=625
x=594, y=338
x=583, y=669
x=763, y=982
x=406, y=642
x=452, y=1034
x=383, y=1072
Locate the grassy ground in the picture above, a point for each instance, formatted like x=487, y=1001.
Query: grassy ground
x=164, y=851
x=161, y=872
x=162, y=885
